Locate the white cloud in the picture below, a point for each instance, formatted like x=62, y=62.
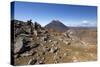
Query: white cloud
x=85, y=22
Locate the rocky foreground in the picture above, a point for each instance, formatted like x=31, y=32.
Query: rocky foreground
x=34, y=44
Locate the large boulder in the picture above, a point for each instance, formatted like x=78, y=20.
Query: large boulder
x=18, y=44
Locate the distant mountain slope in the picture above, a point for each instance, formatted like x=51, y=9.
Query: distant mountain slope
x=57, y=25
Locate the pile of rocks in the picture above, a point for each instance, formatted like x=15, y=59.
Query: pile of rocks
x=26, y=38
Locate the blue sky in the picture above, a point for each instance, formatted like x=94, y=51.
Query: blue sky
x=70, y=15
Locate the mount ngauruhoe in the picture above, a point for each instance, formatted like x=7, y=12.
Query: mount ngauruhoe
x=57, y=26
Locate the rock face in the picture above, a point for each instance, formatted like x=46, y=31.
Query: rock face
x=34, y=44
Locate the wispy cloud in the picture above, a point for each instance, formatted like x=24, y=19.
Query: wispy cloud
x=85, y=22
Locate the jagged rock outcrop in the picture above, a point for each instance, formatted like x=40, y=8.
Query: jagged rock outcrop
x=28, y=36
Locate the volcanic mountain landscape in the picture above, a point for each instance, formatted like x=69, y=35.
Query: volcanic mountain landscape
x=54, y=43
